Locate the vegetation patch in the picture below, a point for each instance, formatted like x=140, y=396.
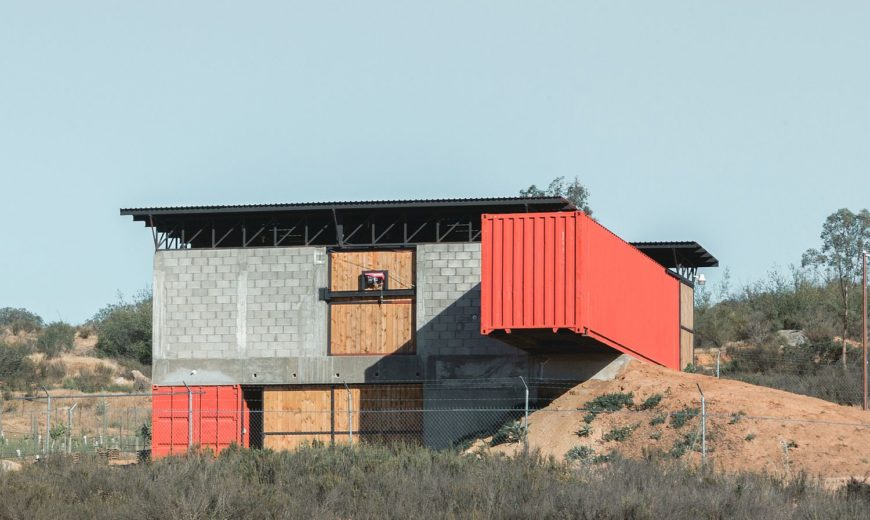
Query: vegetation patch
x=584, y=430
x=658, y=419
x=343, y=482
x=619, y=434
x=510, y=433
x=579, y=453
x=681, y=417
x=651, y=402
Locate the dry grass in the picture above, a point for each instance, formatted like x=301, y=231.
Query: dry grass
x=379, y=482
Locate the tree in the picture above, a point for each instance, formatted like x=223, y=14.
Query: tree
x=55, y=338
x=574, y=191
x=19, y=320
x=124, y=329
x=845, y=235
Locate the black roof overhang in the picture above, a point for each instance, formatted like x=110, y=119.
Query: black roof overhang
x=684, y=254
x=343, y=224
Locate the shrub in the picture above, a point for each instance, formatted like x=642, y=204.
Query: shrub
x=612, y=402
x=510, y=433
x=124, y=329
x=17, y=371
x=57, y=431
x=584, y=430
x=749, y=437
x=100, y=378
x=579, y=453
x=19, y=320
x=404, y=482
x=55, y=338
x=658, y=419
x=681, y=417
x=651, y=402
x=619, y=434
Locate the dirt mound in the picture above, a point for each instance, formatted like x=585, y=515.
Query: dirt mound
x=749, y=427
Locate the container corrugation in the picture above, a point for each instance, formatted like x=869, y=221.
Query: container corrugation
x=219, y=418
x=564, y=271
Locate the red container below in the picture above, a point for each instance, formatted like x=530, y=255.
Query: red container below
x=562, y=271
x=219, y=416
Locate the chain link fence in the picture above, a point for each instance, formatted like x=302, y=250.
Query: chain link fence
x=96, y=423
x=800, y=371
x=509, y=415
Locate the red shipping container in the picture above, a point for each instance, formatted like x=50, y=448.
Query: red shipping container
x=562, y=271
x=220, y=418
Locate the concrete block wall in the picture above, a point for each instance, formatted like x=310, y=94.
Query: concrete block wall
x=448, y=303
x=239, y=303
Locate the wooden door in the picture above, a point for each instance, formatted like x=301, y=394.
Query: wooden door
x=372, y=322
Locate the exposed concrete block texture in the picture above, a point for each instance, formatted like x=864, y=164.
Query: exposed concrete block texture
x=238, y=304
x=253, y=316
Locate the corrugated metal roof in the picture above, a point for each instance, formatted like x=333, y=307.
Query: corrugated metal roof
x=303, y=206
x=674, y=253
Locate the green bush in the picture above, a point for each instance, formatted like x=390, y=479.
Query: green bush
x=579, y=453
x=619, y=434
x=124, y=329
x=509, y=433
x=681, y=417
x=55, y=338
x=651, y=402
x=19, y=320
x=17, y=371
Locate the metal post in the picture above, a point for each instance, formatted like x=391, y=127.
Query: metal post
x=47, y=421
x=864, y=325
x=69, y=414
x=526, y=422
x=703, y=425
x=718, y=353
x=2, y=405
x=349, y=414
x=189, y=416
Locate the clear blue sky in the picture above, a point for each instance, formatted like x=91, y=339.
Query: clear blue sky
x=737, y=124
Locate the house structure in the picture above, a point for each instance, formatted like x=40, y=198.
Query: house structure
x=281, y=324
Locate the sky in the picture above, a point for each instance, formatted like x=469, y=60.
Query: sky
x=741, y=125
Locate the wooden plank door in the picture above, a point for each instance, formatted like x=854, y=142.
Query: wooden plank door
x=379, y=323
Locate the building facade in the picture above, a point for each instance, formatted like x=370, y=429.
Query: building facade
x=293, y=322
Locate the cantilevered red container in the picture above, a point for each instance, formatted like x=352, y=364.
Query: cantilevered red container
x=218, y=413
x=563, y=278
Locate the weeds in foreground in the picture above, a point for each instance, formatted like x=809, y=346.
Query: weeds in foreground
x=408, y=482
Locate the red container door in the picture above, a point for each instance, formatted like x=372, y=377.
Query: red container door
x=529, y=266
x=219, y=419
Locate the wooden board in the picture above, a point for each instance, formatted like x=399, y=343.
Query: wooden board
x=292, y=415
x=687, y=348
x=346, y=267
x=687, y=306
x=372, y=328
x=380, y=413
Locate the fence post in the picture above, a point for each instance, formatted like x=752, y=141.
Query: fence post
x=47, y=422
x=189, y=416
x=526, y=421
x=69, y=414
x=718, y=353
x=2, y=405
x=349, y=414
x=703, y=425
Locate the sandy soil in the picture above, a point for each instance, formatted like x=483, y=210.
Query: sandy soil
x=750, y=427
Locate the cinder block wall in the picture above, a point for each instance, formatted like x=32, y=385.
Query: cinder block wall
x=236, y=304
x=253, y=316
